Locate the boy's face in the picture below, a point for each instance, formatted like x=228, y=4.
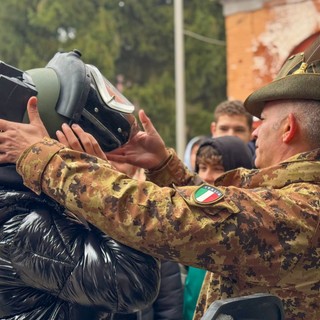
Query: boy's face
x=232, y=125
x=210, y=170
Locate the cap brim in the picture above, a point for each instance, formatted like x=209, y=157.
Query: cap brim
x=295, y=86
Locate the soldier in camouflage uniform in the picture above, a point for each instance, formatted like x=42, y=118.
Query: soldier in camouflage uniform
x=258, y=229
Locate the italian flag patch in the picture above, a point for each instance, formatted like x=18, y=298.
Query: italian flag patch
x=207, y=194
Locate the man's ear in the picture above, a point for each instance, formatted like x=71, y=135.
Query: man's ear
x=290, y=128
x=213, y=128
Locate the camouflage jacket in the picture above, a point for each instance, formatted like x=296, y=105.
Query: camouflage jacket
x=258, y=230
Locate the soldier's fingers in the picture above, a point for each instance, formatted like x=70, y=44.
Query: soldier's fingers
x=8, y=156
x=34, y=115
x=62, y=138
x=78, y=130
x=96, y=148
x=71, y=138
x=146, y=123
x=6, y=125
x=117, y=151
x=84, y=138
x=116, y=158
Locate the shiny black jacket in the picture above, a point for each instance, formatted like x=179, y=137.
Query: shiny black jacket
x=54, y=266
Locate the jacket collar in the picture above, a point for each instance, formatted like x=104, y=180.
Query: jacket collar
x=303, y=167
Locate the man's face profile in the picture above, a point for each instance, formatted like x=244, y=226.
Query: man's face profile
x=268, y=136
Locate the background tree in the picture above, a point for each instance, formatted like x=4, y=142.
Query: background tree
x=205, y=63
x=37, y=29
x=132, y=43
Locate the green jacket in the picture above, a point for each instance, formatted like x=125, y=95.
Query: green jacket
x=260, y=232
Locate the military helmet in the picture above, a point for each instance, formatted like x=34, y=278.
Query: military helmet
x=70, y=91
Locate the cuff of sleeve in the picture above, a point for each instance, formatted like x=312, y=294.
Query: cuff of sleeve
x=172, y=171
x=33, y=162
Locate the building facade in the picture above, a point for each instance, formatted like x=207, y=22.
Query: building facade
x=261, y=35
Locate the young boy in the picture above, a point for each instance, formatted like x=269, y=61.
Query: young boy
x=214, y=157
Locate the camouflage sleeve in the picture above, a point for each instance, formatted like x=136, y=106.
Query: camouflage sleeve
x=225, y=229
x=158, y=221
x=173, y=172
x=37, y=158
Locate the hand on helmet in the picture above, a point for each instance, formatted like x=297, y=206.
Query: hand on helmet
x=77, y=139
x=16, y=137
x=145, y=149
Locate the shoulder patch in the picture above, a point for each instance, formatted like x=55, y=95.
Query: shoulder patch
x=207, y=194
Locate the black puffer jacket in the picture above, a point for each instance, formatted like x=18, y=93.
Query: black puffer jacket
x=169, y=303
x=53, y=266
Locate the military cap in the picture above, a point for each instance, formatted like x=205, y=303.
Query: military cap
x=299, y=78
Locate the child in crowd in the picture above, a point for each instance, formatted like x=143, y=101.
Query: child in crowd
x=214, y=157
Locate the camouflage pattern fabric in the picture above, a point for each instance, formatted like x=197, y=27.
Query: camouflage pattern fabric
x=262, y=235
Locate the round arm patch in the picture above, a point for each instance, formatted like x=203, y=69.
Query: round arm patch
x=207, y=194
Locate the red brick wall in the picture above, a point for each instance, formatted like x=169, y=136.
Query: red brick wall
x=258, y=42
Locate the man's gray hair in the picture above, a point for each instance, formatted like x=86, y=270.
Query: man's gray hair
x=308, y=114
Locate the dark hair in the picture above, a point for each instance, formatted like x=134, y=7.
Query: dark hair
x=207, y=154
x=232, y=107
x=234, y=152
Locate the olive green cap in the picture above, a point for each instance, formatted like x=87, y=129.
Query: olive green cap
x=299, y=78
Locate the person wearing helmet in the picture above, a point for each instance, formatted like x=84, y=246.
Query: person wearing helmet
x=259, y=229
x=53, y=264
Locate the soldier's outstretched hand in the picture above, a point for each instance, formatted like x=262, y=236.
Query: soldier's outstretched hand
x=16, y=137
x=145, y=149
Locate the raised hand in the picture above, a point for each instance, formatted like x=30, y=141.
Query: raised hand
x=145, y=149
x=16, y=137
x=77, y=139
